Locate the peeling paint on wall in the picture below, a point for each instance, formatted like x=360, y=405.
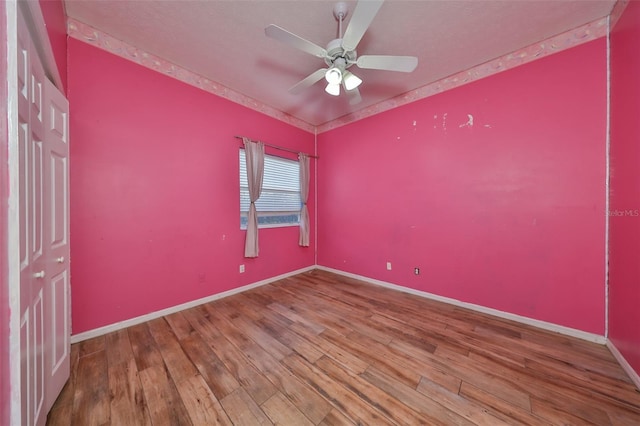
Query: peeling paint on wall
x=469, y=122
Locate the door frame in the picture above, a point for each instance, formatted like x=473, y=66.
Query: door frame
x=37, y=30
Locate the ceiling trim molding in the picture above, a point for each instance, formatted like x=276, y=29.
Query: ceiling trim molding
x=616, y=12
x=97, y=38
x=555, y=44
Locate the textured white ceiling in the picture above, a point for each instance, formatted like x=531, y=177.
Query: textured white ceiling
x=225, y=41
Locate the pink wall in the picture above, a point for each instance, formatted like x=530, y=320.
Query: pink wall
x=56, y=21
x=155, y=192
x=4, y=193
x=624, y=219
x=507, y=213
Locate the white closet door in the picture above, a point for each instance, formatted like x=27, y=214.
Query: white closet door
x=33, y=226
x=57, y=292
x=43, y=174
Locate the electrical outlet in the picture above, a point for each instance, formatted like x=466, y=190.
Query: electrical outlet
x=242, y=269
x=416, y=271
x=388, y=266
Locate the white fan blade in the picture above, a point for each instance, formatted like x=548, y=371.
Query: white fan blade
x=388, y=63
x=354, y=96
x=362, y=16
x=308, y=81
x=291, y=39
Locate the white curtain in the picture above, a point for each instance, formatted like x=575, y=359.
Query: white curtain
x=254, y=158
x=304, y=196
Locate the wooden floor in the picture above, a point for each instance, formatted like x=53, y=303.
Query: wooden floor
x=320, y=349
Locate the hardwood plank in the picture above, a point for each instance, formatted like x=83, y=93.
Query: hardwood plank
x=566, y=404
x=554, y=393
x=261, y=296
x=335, y=418
x=387, y=405
x=180, y=326
x=144, y=348
x=340, y=354
x=256, y=384
x=241, y=306
x=341, y=398
x=401, y=331
x=60, y=415
x=291, y=314
x=464, y=368
x=177, y=362
x=500, y=408
x=213, y=371
x=374, y=353
x=281, y=411
x=118, y=347
x=320, y=308
x=623, y=418
x=303, y=397
x=558, y=415
x=279, y=330
x=425, y=369
x=593, y=385
x=435, y=413
x=89, y=346
x=461, y=406
x=128, y=406
x=249, y=326
x=91, y=393
x=164, y=402
x=200, y=403
x=243, y=410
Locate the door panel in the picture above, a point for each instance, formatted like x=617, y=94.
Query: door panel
x=35, y=203
x=59, y=342
x=28, y=359
x=23, y=158
x=59, y=185
x=45, y=321
x=25, y=367
x=57, y=293
x=38, y=357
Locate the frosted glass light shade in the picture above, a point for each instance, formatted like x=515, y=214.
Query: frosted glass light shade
x=351, y=81
x=333, y=76
x=333, y=89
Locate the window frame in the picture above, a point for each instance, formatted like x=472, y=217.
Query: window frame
x=295, y=175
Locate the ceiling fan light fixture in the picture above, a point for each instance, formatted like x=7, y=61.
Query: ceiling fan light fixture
x=333, y=89
x=351, y=81
x=333, y=76
x=340, y=53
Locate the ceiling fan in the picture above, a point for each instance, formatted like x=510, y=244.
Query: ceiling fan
x=340, y=54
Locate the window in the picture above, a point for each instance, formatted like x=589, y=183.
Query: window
x=279, y=203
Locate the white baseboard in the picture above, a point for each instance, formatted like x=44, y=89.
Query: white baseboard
x=633, y=375
x=591, y=337
x=157, y=314
x=635, y=378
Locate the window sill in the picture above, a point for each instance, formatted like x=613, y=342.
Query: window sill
x=275, y=225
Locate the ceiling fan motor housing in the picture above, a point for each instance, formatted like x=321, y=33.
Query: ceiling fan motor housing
x=334, y=51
